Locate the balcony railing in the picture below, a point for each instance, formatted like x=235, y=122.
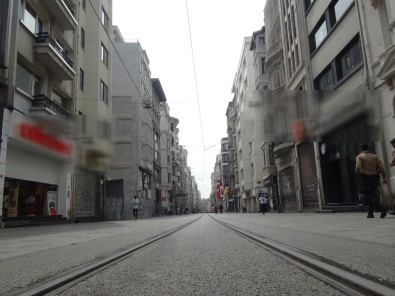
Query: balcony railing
x=44, y=37
x=69, y=7
x=43, y=101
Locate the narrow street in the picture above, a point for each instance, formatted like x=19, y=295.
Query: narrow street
x=203, y=258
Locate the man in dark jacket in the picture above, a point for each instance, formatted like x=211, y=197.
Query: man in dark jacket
x=369, y=167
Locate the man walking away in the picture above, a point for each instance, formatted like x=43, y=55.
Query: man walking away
x=262, y=204
x=392, y=163
x=136, y=204
x=369, y=167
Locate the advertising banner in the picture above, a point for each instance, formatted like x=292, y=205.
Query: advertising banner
x=52, y=199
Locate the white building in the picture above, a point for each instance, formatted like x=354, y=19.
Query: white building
x=249, y=129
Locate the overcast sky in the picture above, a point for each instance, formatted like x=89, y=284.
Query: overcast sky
x=218, y=28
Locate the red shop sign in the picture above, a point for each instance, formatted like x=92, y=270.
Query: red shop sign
x=36, y=135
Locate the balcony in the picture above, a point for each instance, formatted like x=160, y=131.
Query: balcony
x=146, y=166
x=49, y=53
x=43, y=103
x=268, y=171
x=63, y=13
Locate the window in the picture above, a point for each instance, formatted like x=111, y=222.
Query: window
x=225, y=147
x=83, y=3
x=325, y=80
x=104, y=55
x=308, y=3
x=331, y=16
x=104, y=19
x=103, y=91
x=168, y=144
x=27, y=81
x=261, y=41
x=29, y=18
x=297, y=55
x=168, y=160
x=82, y=78
x=156, y=152
x=340, y=8
x=82, y=38
x=263, y=61
x=225, y=157
x=58, y=99
x=172, y=127
x=168, y=178
x=320, y=34
x=350, y=59
x=342, y=66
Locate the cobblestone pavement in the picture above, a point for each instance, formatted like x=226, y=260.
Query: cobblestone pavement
x=349, y=239
x=203, y=259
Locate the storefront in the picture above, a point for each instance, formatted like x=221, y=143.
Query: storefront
x=270, y=183
x=26, y=198
x=347, y=120
x=38, y=169
x=286, y=172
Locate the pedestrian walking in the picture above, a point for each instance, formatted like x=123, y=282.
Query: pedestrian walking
x=392, y=163
x=136, y=204
x=262, y=203
x=369, y=167
x=221, y=207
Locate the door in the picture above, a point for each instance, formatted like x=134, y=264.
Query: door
x=308, y=174
x=114, y=201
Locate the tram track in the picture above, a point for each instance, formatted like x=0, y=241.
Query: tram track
x=343, y=280
x=61, y=282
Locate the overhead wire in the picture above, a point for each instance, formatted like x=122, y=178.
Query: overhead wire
x=197, y=88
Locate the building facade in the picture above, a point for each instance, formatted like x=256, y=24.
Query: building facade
x=132, y=165
x=249, y=128
x=93, y=87
x=39, y=51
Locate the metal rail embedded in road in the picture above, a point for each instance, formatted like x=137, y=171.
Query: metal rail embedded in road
x=79, y=274
x=348, y=282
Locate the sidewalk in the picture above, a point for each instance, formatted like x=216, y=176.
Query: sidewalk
x=347, y=225
x=25, y=240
